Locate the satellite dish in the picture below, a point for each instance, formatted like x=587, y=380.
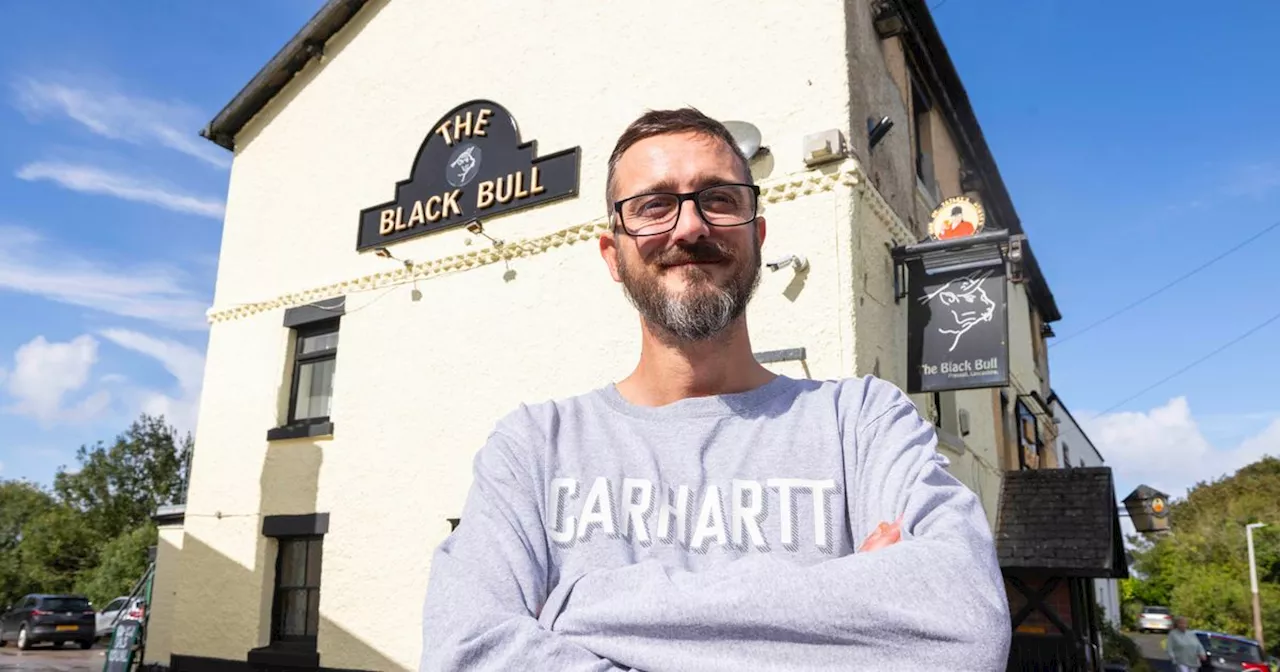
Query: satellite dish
x=746, y=135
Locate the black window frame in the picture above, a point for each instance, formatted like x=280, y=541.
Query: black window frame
x=1022, y=411
x=921, y=106
x=307, y=640
x=301, y=333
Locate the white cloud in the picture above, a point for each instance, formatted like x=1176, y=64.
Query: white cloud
x=118, y=116
x=186, y=364
x=44, y=373
x=32, y=265
x=95, y=180
x=1166, y=449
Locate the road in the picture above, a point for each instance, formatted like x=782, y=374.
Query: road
x=43, y=658
x=1153, y=650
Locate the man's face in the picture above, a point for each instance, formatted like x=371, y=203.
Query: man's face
x=695, y=280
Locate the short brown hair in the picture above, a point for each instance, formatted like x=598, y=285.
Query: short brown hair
x=664, y=122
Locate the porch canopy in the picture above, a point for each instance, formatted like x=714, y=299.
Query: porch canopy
x=1061, y=521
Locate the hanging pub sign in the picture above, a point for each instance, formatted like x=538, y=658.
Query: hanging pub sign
x=471, y=165
x=957, y=217
x=957, y=327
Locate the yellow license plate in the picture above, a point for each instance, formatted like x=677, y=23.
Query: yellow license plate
x=65, y=628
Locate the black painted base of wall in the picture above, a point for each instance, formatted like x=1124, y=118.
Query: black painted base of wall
x=181, y=663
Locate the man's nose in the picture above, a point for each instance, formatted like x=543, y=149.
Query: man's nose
x=690, y=227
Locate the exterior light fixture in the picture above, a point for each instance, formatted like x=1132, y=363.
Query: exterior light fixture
x=476, y=227
x=795, y=261
x=876, y=130
x=386, y=254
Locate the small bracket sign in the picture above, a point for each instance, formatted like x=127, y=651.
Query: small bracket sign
x=472, y=165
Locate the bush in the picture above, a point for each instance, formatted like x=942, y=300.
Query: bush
x=1117, y=647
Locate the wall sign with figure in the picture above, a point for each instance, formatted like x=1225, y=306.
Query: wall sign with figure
x=957, y=329
x=471, y=165
x=957, y=217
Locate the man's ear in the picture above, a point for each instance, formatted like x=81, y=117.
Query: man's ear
x=609, y=252
x=760, y=229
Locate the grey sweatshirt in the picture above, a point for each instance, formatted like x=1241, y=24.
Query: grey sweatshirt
x=717, y=533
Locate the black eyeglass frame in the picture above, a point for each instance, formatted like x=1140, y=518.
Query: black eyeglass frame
x=689, y=196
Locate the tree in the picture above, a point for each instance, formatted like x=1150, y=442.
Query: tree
x=120, y=563
x=56, y=546
x=118, y=488
x=1200, y=568
x=20, y=503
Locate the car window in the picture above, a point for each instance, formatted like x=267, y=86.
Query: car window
x=29, y=603
x=65, y=604
x=1157, y=610
x=115, y=605
x=1236, y=650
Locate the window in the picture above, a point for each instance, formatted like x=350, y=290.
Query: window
x=66, y=604
x=295, y=611
x=1028, y=438
x=314, y=362
x=115, y=605
x=921, y=127
x=309, y=377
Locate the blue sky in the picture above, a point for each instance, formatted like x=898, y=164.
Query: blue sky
x=110, y=210
x=1136, y=144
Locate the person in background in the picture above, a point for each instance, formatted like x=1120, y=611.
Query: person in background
x=1185, y=650
x=704, y=513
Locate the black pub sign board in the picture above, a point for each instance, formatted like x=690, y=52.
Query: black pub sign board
x=472, y=165
x=957, y=329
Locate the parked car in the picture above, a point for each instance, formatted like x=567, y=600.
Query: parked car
x=1229, y=652
x=1155, y=619
x=119, y=609
x=48, y=618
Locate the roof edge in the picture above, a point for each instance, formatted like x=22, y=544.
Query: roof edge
x=307, y=44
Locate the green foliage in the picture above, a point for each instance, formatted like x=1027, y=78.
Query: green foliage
x=119, y=488
x=20, y=503
x=56, y=546
x=119, y=565
x=91, y=533
x=1118, y=647
x=1200, y=568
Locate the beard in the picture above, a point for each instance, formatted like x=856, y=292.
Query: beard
x=703, y=308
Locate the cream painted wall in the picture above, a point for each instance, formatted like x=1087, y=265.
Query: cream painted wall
x=164, y=595
x=419, y=384
x=1026, y=377
x=571, y=82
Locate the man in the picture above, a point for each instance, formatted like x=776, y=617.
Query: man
x=1185, y=650
x=703, y=513
x=956, y=225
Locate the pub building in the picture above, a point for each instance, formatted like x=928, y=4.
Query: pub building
x=410, y=251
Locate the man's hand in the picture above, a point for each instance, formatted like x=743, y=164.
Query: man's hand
x=884, y=536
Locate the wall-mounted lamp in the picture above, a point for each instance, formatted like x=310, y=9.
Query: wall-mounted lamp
x=795, y=261
x=386, y=254
x=888, y=21
x=877, y=129
x=476, y=227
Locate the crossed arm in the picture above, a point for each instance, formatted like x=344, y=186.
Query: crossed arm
x=933, y=597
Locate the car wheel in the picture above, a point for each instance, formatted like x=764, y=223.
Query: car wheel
x=86, y=644
x=59, y=645
x=23, y=642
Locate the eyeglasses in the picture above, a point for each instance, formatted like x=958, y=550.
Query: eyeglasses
x=719, y=205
